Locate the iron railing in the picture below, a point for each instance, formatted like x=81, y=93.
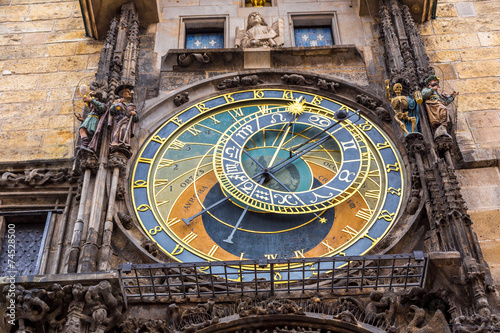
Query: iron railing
x=157, y=282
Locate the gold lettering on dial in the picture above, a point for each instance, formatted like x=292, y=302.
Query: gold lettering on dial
x=189, y=238
x=215, y=120
x=140, y=183
x=177, y=250
x=164, y=163
x=350, y=231
x=213, y=250
x=364, y=213
x=155, y=230
x=394, y=191
x=194, y=131
x=372, y=194
x=158, y=139
x=386, y=215
x=202, y=107
x=287, y=94
x=328, y=246
x=271, y=256
x=299, y=253
x=392, y=167
x=173, y=221
x=238, y=112
x=317, y=100
x=177, y=145
x=381, y=146
x=145, y=160
x=258, y=94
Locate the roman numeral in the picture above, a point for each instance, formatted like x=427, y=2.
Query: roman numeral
x=364, y=213
x=194, y=131
x=145, y=160
x=372, y=194
x=348, y=145
x=299, y=253
x=177, y=145
x=328, y=247
x=173, y=221
x=164, y=163
x=238, y=112
x=215, y=120
x=350, y=231
x=270, y=256
x=212, y=251
x=189, y=238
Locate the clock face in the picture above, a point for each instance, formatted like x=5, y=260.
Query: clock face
x=267, y=173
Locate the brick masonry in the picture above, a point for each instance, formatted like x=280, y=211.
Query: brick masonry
x=44, y=55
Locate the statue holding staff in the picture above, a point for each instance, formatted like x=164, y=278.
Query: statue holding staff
x=123, y=118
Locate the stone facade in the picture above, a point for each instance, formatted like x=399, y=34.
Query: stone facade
x=463, y=46
x=44, y=54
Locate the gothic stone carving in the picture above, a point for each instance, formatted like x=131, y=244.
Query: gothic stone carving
x=259, y=35
x=296, y=79
x=186, y=59
x=36, y=177
x=249, y=80
x=181, y=98
x=327, y=85
x=65, y=309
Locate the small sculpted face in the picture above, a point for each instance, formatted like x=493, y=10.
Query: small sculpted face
x=434, y=84
x=254, y=19
x=127, y=95
x=398, y=88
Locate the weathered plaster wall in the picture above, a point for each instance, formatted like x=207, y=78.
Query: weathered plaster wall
x=463, y=43
x=43, y=55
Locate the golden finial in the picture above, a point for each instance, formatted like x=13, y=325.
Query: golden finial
x=297, y=108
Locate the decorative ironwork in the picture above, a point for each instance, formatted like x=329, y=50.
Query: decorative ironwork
x=22, y=258
x=153, y=282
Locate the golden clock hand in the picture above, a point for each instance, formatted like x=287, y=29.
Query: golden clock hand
x=280, y=144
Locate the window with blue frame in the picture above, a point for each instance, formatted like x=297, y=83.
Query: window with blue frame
x=313, y=36
x=204, y=40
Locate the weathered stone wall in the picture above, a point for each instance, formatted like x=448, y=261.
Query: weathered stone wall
x=43, y=55
x=463, y=43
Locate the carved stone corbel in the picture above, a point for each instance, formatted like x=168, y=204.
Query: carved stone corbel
x=186, y=59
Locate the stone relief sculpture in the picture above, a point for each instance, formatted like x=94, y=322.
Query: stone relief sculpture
x=259, y=35
x=436, y=105
x=124, y=116
x=405, y=108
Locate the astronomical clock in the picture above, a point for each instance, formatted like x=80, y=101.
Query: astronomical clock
x=267, y=173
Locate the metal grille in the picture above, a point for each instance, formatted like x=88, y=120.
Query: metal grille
x=23, y=258
x=154, y=282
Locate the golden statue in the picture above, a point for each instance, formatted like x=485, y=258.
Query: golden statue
x=405, y=107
